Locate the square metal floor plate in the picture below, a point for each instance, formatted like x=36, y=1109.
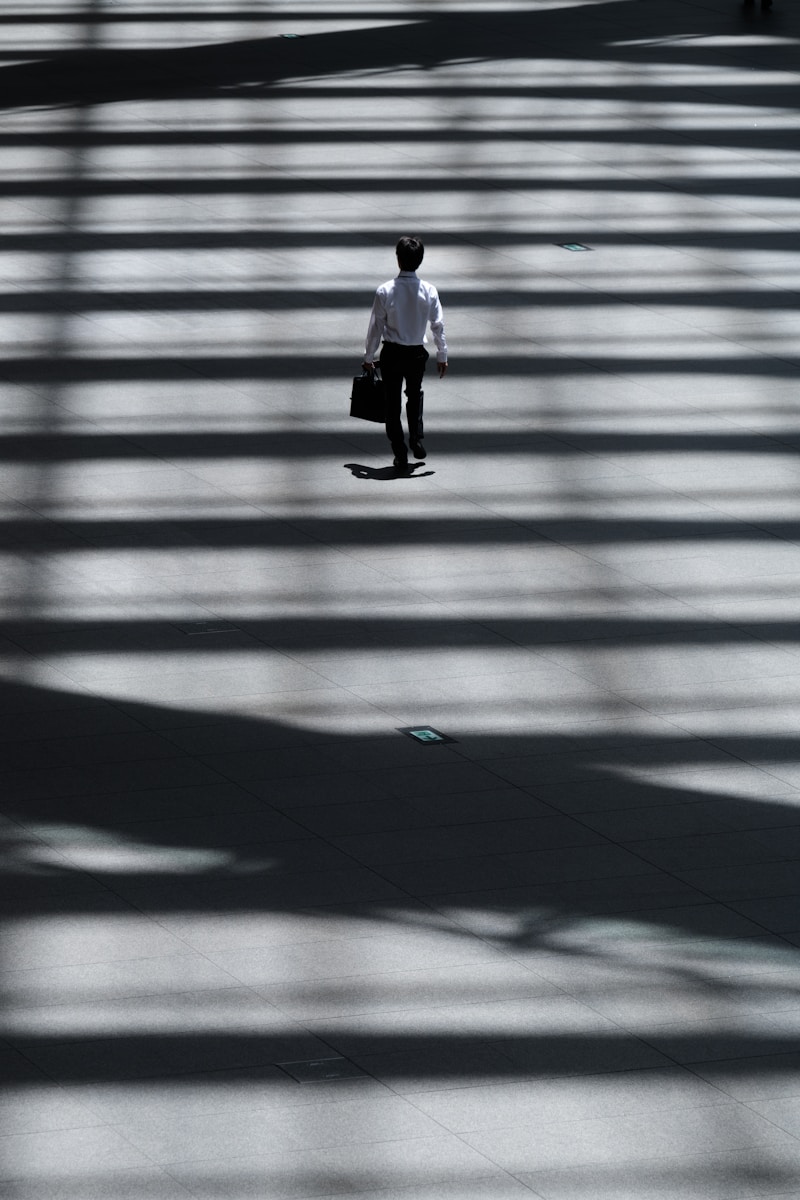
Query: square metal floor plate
x=316, y=1070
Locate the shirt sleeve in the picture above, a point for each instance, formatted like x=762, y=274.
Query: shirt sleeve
x=377, y=323
x=436, y=319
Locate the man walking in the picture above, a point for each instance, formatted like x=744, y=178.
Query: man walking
x=401, y=312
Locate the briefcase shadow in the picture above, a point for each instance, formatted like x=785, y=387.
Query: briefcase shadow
x=408, y=472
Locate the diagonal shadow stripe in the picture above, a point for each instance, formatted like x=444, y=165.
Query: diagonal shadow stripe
x=544, y=365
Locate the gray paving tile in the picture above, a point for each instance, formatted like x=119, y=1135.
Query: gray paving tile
x=770, y=1077
x=312, y=1126
x=782, y=1112
x=458, y=841
x=190, y=1012
x=424, y=1069
x=633, y=1139
x=537, y=770
x=18, y=1069
x=509, y=911
x=91, y=719
x=83, y=1153
x=406, y=699
x=779, y=915
x=714, y=1176
x=130, y=805
x=127, y=1183
x=645, y=1007
x=103, y=981
x=512, y=1106
x=361, y=817
x=231, y=829
x=564, y=1057
x=20, y=786
x=177, y=686
x=410, y=991
x=438, y=777
x=748, y=881
x=500, y=1185
x=257, y=926
x=232, y=736
x=380, y=666
x=707, y=850
x=667, y=788
x=720, y=1043
x=115, y=932
x=262, y=1087
x=702, y=816
x=168, y=1055
x=730, y=694
x=489, y=872
x=336, y=958
x=326, y=787
x=707, y=663
x=250, y=883
x=500, y=804
x=276, y=763
x=436, y=1161
x=668, y=820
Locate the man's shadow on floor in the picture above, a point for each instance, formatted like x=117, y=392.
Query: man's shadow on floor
x=409, y=472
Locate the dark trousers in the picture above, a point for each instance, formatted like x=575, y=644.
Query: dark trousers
x=403, y=364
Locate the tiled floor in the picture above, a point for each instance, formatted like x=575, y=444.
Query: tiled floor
x=258, y=943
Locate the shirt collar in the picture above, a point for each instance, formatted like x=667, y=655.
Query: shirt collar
x=412, y=274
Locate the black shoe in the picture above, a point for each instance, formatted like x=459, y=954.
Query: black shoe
x=401, y=461
x=418, y=450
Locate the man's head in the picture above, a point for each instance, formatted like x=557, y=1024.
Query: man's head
x=410, y=252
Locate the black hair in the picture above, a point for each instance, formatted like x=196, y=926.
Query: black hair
x=410, y=252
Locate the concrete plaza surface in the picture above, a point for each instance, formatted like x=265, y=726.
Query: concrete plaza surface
x=257, y=942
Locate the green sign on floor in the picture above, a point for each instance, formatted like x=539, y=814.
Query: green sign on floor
x=426, y=735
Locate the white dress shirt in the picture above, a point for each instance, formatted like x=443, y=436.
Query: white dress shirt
x=401, y=312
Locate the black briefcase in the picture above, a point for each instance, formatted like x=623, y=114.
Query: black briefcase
x=368, y=397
